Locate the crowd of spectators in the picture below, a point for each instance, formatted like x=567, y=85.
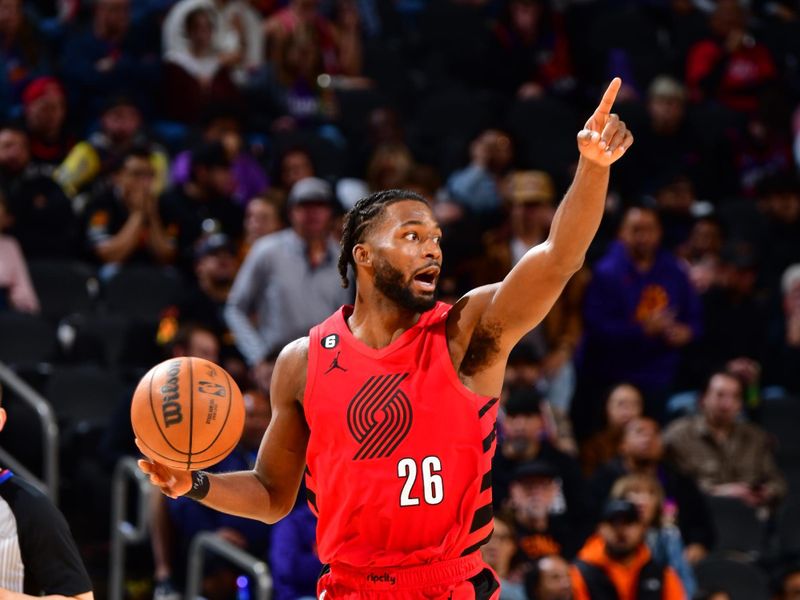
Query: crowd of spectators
x=191, y=160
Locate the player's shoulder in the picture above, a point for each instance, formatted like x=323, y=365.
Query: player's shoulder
x=467, y=311
x=295, y=350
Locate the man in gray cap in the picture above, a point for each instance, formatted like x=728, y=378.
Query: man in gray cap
x=289, y=280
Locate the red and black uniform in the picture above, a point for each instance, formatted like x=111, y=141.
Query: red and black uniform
x=399, y=465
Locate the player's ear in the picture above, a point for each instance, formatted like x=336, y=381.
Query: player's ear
x=362, y=255
x=3, y=417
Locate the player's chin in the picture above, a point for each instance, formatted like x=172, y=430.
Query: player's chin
x=425, y=301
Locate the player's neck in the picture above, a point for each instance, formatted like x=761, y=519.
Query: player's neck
x=377, y=321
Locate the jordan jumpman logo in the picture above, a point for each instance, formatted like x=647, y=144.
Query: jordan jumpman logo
x=335, y=365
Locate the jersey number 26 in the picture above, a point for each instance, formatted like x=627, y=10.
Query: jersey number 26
x=432, y=485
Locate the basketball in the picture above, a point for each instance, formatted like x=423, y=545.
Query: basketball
x=187, y=413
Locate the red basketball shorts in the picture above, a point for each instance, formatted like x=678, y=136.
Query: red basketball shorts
x=466, y=578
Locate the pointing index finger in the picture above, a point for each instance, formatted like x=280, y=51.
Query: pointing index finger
x=609, y=96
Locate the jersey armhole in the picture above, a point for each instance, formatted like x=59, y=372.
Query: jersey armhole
x=442, y=348
x=311, y=369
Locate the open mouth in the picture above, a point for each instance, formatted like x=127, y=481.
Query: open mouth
x=426, y=279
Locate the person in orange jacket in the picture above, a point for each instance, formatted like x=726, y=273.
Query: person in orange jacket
x=615, y=564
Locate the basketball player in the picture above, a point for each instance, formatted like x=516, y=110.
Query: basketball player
x=388, y=408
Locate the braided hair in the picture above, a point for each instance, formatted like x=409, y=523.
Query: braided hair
x=360, y=217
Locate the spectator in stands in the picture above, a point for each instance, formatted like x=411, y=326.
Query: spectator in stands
x=702, y=252
x=641, y=452
x=676, y=202
x=530, y=51
x=292, y=165
x=122, y=224
x=175, y=523
x=663, y=537
x=237, y=34
x=762, y=146
x=289, y=280
x=389, y=167
x=384, y=125
x=22, y=54
x=734, y=316
x=673, y=143
x=731, y=67
x=41, y=215
x=290, y=88
x=121, y=128
x=108, y=59
x=531, y=201
x=203, y=204
x=725, y=456
x=16, y=289
x=522, y=441
x=479, y=186
x=339, y=45
x=549, y=579
x=45, y=108
x=39, y=555
x=540, y=513
x=262, y=216
x=203, y=301
x=524, y=371
x=222, y=124
x=293, y=560
x=624, y=404
x=501, y=553
x=784, y=351
x=618, y=557
x=197, y=75
x=639, y=311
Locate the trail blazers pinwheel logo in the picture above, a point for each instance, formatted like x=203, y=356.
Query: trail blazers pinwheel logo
x=379, y=416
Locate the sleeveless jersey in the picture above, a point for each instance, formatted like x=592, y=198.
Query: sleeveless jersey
x=400, y=451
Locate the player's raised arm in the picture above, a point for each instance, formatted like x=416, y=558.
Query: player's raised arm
x=533, y=285
x=266, y=493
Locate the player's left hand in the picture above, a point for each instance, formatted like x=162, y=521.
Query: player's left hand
x=604, y=138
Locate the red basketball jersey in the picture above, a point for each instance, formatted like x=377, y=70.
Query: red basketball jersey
x=399, y=455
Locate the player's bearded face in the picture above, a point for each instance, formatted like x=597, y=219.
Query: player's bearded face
x=393, y=284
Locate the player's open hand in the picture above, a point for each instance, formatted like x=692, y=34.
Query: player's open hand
x=605, y=138
x=171, y=482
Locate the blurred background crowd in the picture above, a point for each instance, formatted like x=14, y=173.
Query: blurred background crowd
x=173, y=176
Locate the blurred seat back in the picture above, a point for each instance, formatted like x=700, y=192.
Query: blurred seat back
x=742, y=581
x=738, y=529
x=26, y=340
x=64, y=287
x=142, y=292
x=83, y=395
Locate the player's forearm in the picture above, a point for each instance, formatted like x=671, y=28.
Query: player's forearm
x=578, y=217
x=243, y=494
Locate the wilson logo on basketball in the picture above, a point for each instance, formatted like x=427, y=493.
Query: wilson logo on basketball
x=379, y=416
x=170, y=407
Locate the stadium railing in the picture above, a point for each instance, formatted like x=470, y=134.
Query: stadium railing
x=123, y=532
x=50, y=434
x=209, y=542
